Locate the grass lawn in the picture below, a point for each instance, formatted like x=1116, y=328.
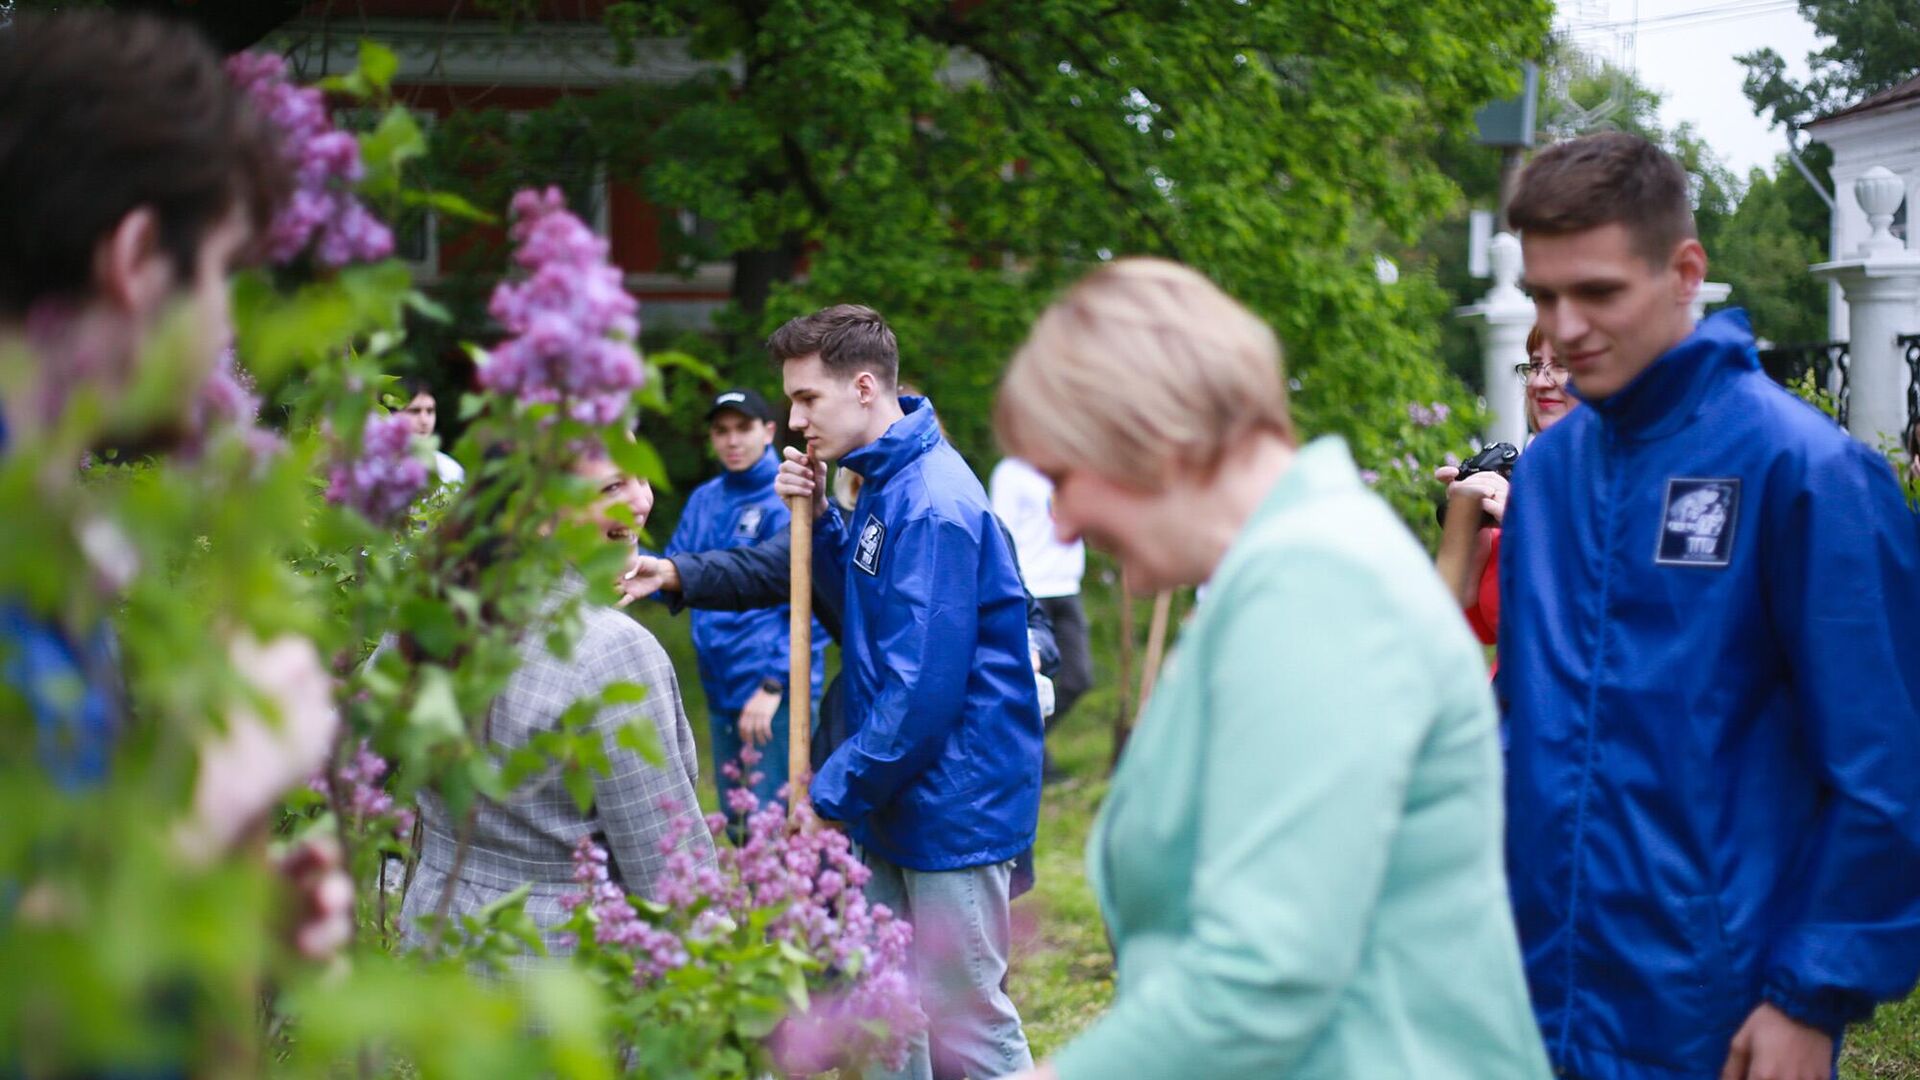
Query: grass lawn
x=1063, y=975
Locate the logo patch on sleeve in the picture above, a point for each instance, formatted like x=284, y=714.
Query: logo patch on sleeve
x=1697, y=522
x=747, y=526
x=866, y=554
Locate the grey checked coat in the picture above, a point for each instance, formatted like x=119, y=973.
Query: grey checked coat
x=530, y=837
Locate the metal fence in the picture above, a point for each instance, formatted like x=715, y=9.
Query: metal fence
x=1827, y=360
x=1910, y=350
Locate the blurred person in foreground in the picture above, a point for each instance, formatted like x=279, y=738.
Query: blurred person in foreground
x=133, y=181
x=123, y=211
x=1710, y=598
x=1299, y=859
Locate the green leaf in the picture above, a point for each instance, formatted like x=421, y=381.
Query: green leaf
x=387, y=148
x=624, y=693
x=378, y=64
x=643, y=739
x=436, y=709
x=638, y=458
x=579, y=783
x=429, y=308
x=795, y=979
x=432, y=624
x=446, y=203
x=685, y=361
x=758, y=1016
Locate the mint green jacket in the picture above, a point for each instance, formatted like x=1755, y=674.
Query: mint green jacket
x=1299, y=862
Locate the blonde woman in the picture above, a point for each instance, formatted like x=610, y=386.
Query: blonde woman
x=1299, y=862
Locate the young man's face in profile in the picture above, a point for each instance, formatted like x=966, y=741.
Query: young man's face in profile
x=827, y=411
x=1608, y=311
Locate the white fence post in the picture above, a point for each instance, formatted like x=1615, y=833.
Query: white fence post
x=1504, y=316
x=1882, y=286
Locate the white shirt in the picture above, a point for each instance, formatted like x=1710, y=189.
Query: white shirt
x=450, y=471
x=1024, y=500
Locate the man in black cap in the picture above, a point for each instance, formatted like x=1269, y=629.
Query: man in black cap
x=743, y=654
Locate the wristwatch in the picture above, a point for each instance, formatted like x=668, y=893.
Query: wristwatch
x=772, y=685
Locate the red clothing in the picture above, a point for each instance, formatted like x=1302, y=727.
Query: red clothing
x=1484, y=614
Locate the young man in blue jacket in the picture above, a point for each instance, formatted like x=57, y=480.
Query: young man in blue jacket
x=1710, y=663
x=939, y=778
x=742, y=654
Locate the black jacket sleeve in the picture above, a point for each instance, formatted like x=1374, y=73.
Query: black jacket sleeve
x=744, y=578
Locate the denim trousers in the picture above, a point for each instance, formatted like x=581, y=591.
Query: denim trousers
x=961, y=942
x=724, y=727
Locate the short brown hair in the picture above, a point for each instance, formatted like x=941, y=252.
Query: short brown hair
x=850, y=339
x=1606, y=179
x=102, y=113
x=1142, y=368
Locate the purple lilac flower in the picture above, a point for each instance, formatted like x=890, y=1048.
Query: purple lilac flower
x=366, y=797
x=227, y=400
x=1427, y=416
x=809, y=876
x=322, y=212
x=385, y=479
x=571, y=322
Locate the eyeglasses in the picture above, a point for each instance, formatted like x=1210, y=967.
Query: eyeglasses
x=1556, y=374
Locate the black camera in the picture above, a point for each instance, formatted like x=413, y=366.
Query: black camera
x=1498, y=458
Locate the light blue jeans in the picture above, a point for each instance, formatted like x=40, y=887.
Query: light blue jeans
x=961, y=939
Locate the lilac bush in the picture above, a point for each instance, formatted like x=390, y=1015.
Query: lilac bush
x=791, y=888
x=572, y=323
x=386, y=477
x=363, y=793
x=321, y=213
x=1427, y=416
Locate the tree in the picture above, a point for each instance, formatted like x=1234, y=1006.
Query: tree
x=1778, y=231
x=1581, y=93
x=1876, y=44
x=953, y=163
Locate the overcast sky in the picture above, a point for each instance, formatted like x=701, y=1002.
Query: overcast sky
x=1685, y=50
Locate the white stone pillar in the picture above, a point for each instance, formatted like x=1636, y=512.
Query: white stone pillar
x=1882, y=286
x=1504, y=316
x=1710, y=292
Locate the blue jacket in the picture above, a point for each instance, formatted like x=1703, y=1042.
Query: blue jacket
x=737, y=650
x=941, y=767
x=1710, y=662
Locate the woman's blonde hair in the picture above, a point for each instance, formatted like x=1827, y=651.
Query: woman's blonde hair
x=1144, y=366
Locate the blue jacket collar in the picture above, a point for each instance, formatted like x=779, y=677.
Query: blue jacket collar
x=905, y=441
x=1660, y=399
x=754, y=477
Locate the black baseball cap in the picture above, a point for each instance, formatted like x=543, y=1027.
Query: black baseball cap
x=745, y=401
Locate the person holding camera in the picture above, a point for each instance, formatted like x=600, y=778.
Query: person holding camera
x=1486, y=475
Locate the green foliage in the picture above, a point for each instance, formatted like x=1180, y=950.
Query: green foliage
x=1778, y=231
x=954, y=165
x=1874, y=44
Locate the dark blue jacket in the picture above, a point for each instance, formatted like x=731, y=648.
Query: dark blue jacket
x=1710, y=663
x=737, y=650
x=735, y=579
x=941, y=769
